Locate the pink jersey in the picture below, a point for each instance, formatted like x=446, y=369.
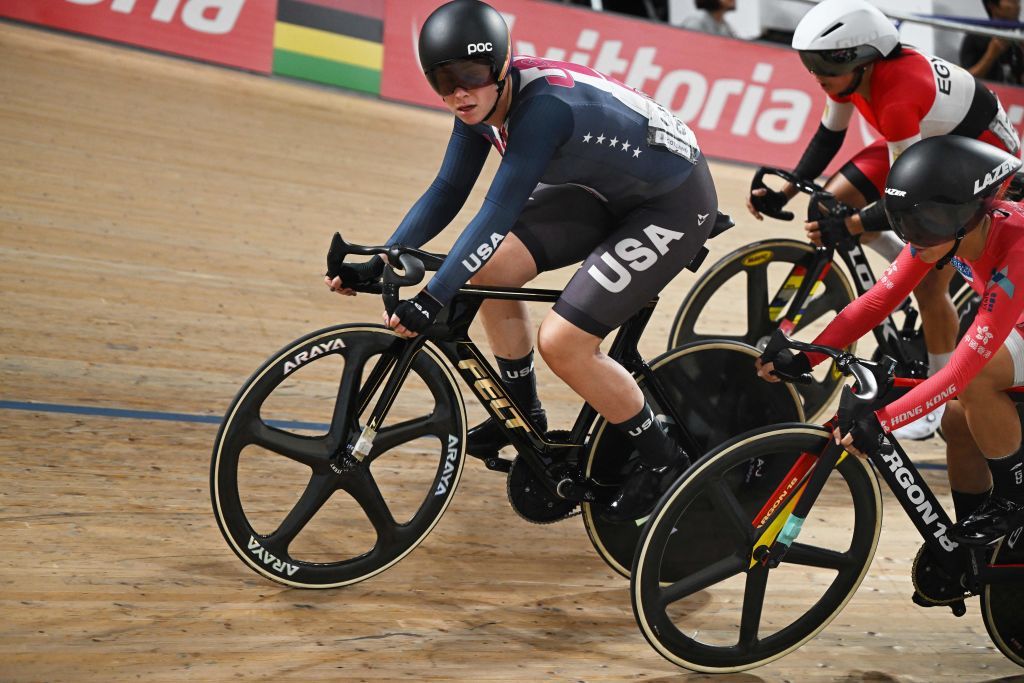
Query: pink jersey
x=994, y=275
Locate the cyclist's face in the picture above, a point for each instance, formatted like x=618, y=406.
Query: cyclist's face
x=933, y=254
x=833, y=85
x=470, y=105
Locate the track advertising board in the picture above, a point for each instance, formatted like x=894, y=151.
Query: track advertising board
x=747, y=102
x=235, y=33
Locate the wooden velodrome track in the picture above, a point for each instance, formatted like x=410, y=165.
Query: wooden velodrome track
x=162, y=230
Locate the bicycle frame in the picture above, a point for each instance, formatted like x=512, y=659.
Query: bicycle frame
x=903, y=479
x=451, y=336
x=852, y=254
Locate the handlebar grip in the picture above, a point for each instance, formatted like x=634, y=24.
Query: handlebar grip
x=776, y=343
x=412, y=271
x=336, y=255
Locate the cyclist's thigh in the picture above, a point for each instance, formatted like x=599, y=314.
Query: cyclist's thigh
x=1013, y=348
x=866, y=173
x=512, y=265
x=650, y=246
x=561, y=224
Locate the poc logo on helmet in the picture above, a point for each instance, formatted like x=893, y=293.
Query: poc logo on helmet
x=479, y=47
x=895, y=193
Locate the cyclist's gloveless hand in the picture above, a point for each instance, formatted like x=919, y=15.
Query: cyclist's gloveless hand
x=414, y=315
x=769, y=202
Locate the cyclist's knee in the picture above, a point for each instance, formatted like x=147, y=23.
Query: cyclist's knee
x=954, y=423
x=562, y=345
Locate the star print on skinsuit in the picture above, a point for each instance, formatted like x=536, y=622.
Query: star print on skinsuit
x=636, y=152
x=586, y=138
x=613, y=142
x=625, y=146
x=600, y=139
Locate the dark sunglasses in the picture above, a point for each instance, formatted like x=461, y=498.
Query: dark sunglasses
x=462, y=73
x=835, y=62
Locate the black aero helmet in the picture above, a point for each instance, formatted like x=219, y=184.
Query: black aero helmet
x=939, y=188
x=458, y=35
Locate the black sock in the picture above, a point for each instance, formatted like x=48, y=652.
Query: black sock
x=519, y=379
x=966, y=503
x=1008, y=476
x=648, y=437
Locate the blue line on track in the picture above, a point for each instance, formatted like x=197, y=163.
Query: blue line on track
x=145, y=414
x=208, y=419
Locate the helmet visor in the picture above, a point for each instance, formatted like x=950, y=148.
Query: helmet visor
x=837, y=62
x=930, y=223
x=461, y=73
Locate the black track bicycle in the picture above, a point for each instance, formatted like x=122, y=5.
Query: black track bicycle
x=342, y=452
x=798, y=287
x=780, y=525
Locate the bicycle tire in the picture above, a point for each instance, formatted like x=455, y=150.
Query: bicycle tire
x=686, y=373
x=1002, y=604
x=686, y=537
x=387, y=504
x=753, y=262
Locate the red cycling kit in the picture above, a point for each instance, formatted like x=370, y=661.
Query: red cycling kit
x=993, y=275
x=912, y=96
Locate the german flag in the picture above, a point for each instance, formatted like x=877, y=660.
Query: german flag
x=335, y=42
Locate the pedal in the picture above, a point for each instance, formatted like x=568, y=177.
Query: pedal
x=958, y=607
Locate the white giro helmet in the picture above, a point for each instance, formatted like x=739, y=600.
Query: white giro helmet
x=837, y=37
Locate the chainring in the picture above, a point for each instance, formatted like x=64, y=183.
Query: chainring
x=528, y=496
x=933, y=583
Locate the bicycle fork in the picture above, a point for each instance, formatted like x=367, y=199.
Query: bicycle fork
x=802, y=486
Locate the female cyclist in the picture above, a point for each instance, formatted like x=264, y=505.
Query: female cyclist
x=950, y=211
x=591, y=170
x=854, y=53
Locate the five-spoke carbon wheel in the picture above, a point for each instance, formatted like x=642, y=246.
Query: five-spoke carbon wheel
x=743, y=296
x=292, y=500
x=699, y=597
x=715, y=392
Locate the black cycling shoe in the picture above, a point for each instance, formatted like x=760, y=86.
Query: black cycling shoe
x=644, y=485
x=486, y=439
x=996, y=517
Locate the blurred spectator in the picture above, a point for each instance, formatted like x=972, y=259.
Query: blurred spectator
x=995, y=59
x=710, y=17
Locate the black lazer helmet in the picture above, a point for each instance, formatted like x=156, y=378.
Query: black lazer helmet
x=939, y=188
x=464, y=43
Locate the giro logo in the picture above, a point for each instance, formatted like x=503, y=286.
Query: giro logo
x=995, y=175
x=895, y=193
x=473, y=48
x=633, y=255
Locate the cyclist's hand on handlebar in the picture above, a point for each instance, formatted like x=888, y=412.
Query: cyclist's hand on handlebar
x=764, y=200
x=786, y=366
x=343, y=277
x=864, y=437
x=414, y=315
x=827, y=231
